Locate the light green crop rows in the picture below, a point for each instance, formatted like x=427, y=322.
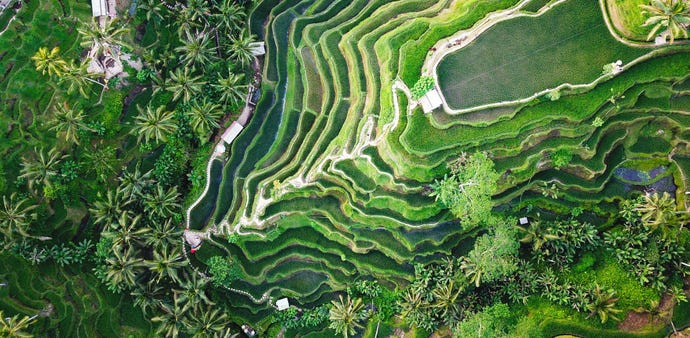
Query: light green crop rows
x=325, y=183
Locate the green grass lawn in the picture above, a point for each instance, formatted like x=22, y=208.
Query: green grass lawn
x=522, y=56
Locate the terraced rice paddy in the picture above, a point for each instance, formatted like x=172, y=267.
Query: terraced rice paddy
x=325, y=184
x=567, y=44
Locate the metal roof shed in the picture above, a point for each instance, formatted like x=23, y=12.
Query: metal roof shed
x=430, y=101
x=99, y=8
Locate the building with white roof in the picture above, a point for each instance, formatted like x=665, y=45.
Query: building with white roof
x=99, y=8
x=282, y=304
x=430, y=101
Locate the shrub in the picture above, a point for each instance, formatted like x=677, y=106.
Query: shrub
x=585, y=263
x=423, y=85
x=223, y=271
x=561, y=158
x=112, y=109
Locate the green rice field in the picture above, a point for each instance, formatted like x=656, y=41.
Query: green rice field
x=567, y=44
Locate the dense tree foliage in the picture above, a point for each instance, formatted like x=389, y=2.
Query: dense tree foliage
x=467, y=190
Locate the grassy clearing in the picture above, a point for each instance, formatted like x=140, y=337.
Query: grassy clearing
x=568, y=44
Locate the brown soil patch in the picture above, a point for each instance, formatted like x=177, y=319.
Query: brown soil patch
x=635, y=321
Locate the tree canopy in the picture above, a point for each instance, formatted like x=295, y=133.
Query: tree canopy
x=467, y=190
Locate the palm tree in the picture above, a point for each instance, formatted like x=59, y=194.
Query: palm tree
x=472, y=266
x=206, y=323
x=165, y=264
x=537, y=234
x=15, y=217
x=193, y=292
x=154, y=10
x=49, y=61
x=101, y=161
x=42, y=168
x=122, y=268
x=13, y=326
x=108, y=210
x=197, y=10
x=204, y=116
x=672, y=16
x=153, y=125
x=196, y=49
x=446, y=297
x=182, y=84
x=345, y=315
x=126, y=232
x=657, y=212
x=133, y=183
x=185, y=21
x=163, y=234
x=68, y=122
x=162, y=203
x=171, y=319
x=77, y=77
x=230, y=16
x=102, y=38
x=241, y=47
x=603, y=304
x=147, y=295
x=230, y=88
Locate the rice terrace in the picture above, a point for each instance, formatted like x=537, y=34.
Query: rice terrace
x=355, y=168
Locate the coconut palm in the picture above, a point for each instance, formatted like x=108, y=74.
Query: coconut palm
x=204, y=116
x=241, y=47
x=166, y=263
x=163, y=234
x=198, y=10
x=171, y=319
x=230, y=88
x=68, y=122
x=185, y=21
x=14, y=326
x=657, y=211
x=134, y=183
x=603, y=304
x=537, y=234
x=147, y=295
x=196, y=49
x=126, y=231
x=183, y=84
x=101, y=161
x=472, y=266
x=345, y=316
x=122, y=268
x=77, y=78
x=15, y=217
x=231, y=16
x=415, y=310
x=669, y=16
x=207, y=322
x=192, y=293
x=446, y=299
x=49, y=61
x=153, y=125
x=162, y=203
x=154, y=9
x=108, y=209
x=42, y=168
x=102, y=39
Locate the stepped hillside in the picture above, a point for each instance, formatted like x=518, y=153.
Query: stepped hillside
x=328, y=182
